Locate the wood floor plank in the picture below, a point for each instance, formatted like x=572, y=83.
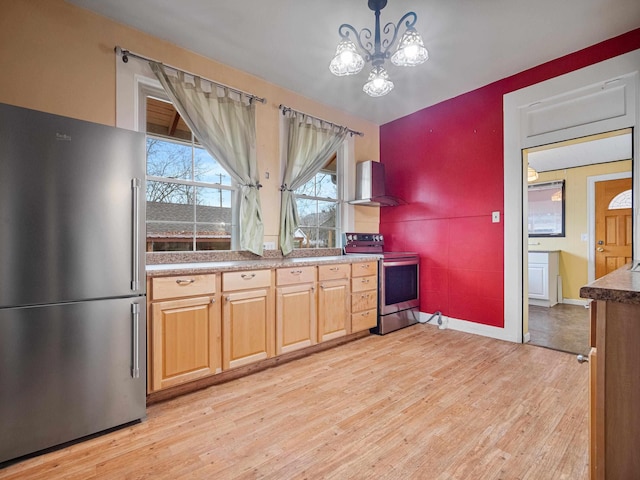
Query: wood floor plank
x=420, y=403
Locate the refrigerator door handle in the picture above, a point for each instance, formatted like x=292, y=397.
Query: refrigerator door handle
x=135, y=316
x=135, y=275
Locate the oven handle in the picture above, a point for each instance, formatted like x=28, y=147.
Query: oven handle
x=400, y=263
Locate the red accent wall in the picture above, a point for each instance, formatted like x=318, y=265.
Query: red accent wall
x=446, y=161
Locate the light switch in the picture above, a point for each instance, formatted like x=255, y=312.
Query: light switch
x=495, y=217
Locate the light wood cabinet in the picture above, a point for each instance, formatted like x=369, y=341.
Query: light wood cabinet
x=201, y=325
x=614, y=393
x=296, y=325
x=364, y=296
x=333, y=301
x=184, y=334
x=247, y=317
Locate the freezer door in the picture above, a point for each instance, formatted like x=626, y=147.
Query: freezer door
x=72, y=209
x=69, y=370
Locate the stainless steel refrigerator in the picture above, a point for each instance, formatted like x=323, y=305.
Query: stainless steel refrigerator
x=72, y=279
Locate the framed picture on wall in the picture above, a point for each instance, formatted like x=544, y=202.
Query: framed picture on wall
x=546, y=209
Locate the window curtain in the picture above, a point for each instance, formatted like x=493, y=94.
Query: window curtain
x=311, y=143
x=224, y=123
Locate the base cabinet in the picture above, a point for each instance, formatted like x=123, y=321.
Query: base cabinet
x=201, y=325
x=333, y=301
x=247, y=318
x=364, y=296
x=296, y=325
x=185, y=339
x=543, y=278
x=615, y=391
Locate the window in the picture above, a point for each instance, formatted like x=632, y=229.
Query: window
x=189, y=195
x=546, y=209
x=621, y=201
x=318, y=203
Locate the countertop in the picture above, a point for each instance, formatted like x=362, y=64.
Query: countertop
x=237, y=265
x=621, y=285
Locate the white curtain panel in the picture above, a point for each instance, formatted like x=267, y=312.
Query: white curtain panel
x=224, y=122
x=311, y=143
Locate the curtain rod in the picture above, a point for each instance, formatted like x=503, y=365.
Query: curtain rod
x=286, y=109
x=127, y=53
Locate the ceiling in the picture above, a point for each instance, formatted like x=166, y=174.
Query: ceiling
x=290, y=43
x=602, y=148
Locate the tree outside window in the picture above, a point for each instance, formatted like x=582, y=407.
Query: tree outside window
x=317, y=202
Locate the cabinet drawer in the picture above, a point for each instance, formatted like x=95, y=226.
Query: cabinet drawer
x=360, y=284
x=363, y=269
x=333, y=272
x=363, y=320
x=182, y=286
x=244, y=280
x=364, y=301
x=293, y=275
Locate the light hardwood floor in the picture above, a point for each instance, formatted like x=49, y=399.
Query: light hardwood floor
x=419, y=403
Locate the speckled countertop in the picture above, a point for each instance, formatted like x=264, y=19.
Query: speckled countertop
x=622, y=285
x=201, y=266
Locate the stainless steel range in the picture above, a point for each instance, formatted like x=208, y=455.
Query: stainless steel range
x=398, y=277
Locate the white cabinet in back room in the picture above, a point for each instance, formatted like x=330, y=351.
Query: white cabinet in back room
x=544, y=278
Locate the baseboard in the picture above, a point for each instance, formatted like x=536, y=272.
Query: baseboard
x=467, y=327
x=527, y=338
x=576, y=301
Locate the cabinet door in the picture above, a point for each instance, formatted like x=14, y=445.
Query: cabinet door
x=539, y=281
x=333, y=309
x=248, y=327
x=185, y=341
x=295, y=318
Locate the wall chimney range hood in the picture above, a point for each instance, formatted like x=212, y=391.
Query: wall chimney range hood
x=370, y=186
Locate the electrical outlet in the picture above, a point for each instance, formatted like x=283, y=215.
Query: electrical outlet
x=495, y=217
x=269, y=245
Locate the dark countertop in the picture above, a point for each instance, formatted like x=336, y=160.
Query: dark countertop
x=161, y=270
x=622, y=285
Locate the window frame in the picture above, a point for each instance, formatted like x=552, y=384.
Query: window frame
x=345, y=170
x=338, y=201
x=560, y=229
x=154, y=89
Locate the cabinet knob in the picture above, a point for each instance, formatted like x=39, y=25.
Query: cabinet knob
x=248, y=276
x=181, y=281
x=582, y=359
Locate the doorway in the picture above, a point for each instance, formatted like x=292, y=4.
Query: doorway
x=588, y=165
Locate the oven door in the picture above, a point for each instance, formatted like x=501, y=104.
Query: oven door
x=399, y=285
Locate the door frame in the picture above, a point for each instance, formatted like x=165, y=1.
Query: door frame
x=557, y=96
x=591, y=215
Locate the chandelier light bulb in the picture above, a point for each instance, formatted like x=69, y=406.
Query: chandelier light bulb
x=378, y=83
x=347, y=60
x=411, y=51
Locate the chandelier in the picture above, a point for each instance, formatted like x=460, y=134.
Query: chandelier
x=409, y=52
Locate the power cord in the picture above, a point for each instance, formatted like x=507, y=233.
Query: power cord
x=438, y=314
